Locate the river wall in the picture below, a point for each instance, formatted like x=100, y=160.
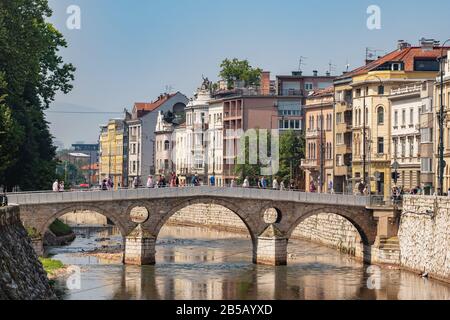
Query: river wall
x=424, y=236
x=22, y=276
x=328, y=229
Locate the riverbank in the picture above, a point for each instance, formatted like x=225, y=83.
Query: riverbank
x=59, y=234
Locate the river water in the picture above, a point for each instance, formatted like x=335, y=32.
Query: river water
x=198, y=263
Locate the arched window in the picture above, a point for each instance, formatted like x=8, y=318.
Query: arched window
x=166, y=145
x=380, y=115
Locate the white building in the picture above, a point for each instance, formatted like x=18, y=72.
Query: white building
x=407, y=103
x=197, y=112
x=142, y=132
x=215, y=142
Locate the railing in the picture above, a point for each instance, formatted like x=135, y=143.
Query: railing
x=407, y=89
x=188, y=192
x=291, y=92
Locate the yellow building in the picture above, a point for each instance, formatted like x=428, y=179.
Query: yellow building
x=114, y=153
x=318, y=164
x=446, y=135
x=343, y=110
x=371, y=86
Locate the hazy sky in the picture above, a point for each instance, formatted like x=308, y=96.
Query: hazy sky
x=130, y=50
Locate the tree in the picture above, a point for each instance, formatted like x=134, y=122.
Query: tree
x=253, y=171
x=292, y=150
x=239, y=70
x=33, y=72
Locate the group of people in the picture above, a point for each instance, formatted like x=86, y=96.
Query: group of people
x=174, y=181
x=263, y=183
x=107, y=184
x=58, y=186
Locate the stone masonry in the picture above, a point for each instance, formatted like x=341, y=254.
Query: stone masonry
x=424, y=236
x=22, y=276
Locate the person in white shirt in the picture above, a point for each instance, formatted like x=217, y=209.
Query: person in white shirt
x=150, y=183
x=246, y=183
x=275, y=184
x=56, y=186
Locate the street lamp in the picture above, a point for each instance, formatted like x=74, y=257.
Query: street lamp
x=364, y=130
x=441, y=123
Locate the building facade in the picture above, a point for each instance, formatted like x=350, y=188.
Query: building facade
x=446, y=134
x=142, y=124
x=114, y=152
x=407, y=103
x=319, y=146
x=372, y=125
x=343, y=142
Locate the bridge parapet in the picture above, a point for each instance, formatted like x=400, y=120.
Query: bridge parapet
x=185, y=192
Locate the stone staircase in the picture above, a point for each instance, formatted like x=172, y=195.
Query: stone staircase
x=389, y=250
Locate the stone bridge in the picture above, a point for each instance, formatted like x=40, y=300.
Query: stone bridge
x=269, y=236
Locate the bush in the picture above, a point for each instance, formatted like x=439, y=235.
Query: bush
x=51, y=265
x=59, y=228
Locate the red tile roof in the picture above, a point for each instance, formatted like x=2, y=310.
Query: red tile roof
x=322, y=92
x=406, y=55
x=145, y=107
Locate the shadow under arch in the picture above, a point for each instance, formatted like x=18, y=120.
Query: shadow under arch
x=234, y=209
x=366, y=232
x=74, y=208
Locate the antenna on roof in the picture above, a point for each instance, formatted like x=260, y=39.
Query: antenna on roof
x=331, y=67
x=372, y=54
x=347, y=66
x=169, y=89
x=301, y=63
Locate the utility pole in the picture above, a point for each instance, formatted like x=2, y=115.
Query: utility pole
x=322, y=148
x=442, y=116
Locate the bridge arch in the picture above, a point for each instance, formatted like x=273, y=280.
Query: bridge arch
x=80, y=207
x=250, y=225
x=365, y=226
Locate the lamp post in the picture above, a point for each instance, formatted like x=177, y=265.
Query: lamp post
x=364, y=130
x=441, y=123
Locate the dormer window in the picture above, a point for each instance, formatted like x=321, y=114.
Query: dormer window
x=396, y=67
x=426, y=65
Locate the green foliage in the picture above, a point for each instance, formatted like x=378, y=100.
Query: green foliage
x=32, y=72
x=50, y=265
x=59, y=228
x=292, y=150
x=33, y=233
x=239, y=70
x=69, y=173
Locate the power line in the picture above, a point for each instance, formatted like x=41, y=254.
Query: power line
x=83, y=112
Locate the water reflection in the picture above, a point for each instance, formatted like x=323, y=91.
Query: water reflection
x=196, y=263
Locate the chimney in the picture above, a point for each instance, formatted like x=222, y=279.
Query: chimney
x=402, y=44
x=428, y=44
x=265, y=83
x=328, y=74
x=297, y=73
x=315, y=73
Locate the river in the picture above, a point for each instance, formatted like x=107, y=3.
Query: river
x=198, y=263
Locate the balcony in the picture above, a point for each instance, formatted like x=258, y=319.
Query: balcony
x=291, y=92
x=309, y=163
x=407, y=89
x=311, y=134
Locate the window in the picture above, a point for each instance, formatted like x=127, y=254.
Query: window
x=403, y=143
x=426, y=65
x=411, y=117
x=339, y=117
x=395, y=143
x=380, y=114
x=309, y=86
x=166, y=145
x=381, y=145
x=426, y=135
x=426, y=165
x=339, y=160
x=339, y=138
x=396, y=119
x=380, y=90
x=403, y=117
x=358, y=93
x=411, y=147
